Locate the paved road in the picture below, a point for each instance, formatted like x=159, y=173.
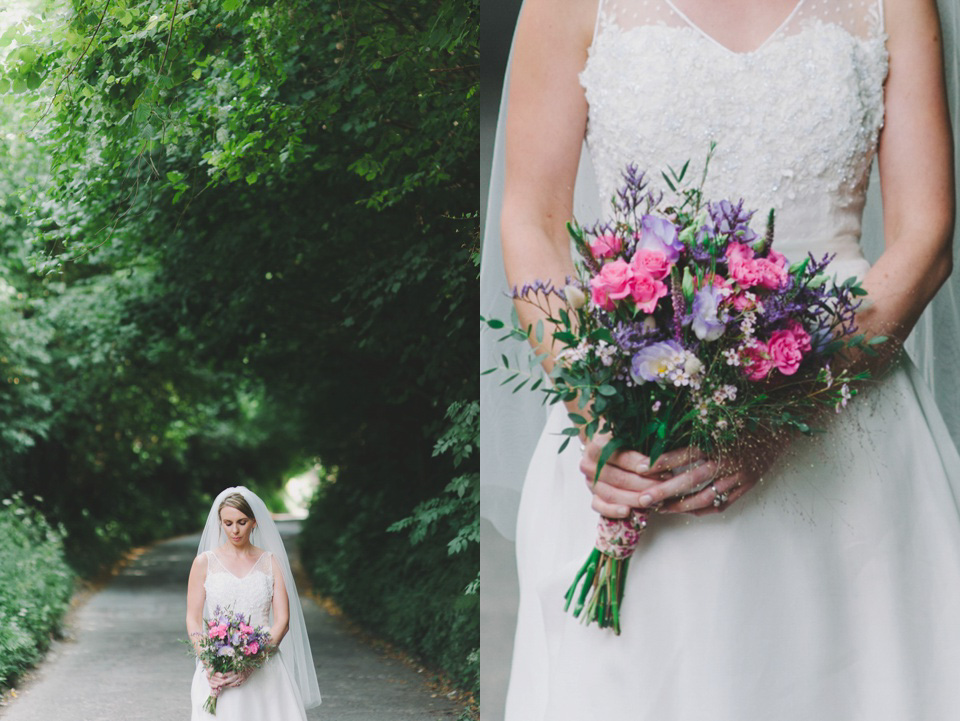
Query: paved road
x=123, y=659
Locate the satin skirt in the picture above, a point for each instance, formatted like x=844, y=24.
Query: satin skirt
x=829, y=592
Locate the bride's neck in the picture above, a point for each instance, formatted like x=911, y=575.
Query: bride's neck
x=236, y=551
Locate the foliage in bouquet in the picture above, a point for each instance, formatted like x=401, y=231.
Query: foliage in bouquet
x=684, y=327
x=230, y=644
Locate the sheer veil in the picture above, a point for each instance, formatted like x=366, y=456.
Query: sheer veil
x=511, y=423
x=295, y=646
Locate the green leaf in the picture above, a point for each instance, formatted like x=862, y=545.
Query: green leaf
x=669, y=182
x=231, y=5
x=613, y=445
x=603, y=334
x=606, y=390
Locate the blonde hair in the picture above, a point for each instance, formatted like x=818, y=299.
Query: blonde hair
x=236, y=500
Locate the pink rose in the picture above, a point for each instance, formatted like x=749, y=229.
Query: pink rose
x=612, y=283
x=785, y=352
x=773, y=270
x=777, y=258
x=744, y=268
x=606, y=246
x=650, y=262
x=756, y=361
x=245, y=629
x=252, y=648
x=713, y=279
x=646, y=291
x=801, y=335
x=741, y=302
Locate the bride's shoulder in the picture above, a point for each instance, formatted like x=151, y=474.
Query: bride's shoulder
x=200, y=562
x=574, y=20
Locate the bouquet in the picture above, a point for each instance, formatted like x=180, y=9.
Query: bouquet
x=684, y=327
x=230, y=644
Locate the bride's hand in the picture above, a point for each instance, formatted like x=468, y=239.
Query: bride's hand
x=216, y=681
x=627, y=480
x=233, y=679
x=727, y=479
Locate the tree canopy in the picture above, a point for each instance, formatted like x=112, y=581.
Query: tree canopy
x=238, y=237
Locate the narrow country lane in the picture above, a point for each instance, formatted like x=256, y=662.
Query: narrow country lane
x=124, y=660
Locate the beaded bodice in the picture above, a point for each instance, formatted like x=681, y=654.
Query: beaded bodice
x=796, y=120
x=251, y=594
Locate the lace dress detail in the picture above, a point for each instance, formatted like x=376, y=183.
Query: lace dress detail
x=796, y=120
x=252, y=594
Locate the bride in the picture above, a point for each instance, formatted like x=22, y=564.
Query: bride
x=241, y=563
x=825, y=582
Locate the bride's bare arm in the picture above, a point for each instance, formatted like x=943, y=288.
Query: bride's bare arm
x=195, y=597
x=281, y=606
x=917, y=184
x=544, y=132
x=916, y=176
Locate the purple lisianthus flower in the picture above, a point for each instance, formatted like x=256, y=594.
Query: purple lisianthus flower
x=707, y=323
x=660, y=234
x=226, y=651
x=652, y=362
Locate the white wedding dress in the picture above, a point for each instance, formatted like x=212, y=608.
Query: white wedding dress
x=831, y=591
x=268, y=694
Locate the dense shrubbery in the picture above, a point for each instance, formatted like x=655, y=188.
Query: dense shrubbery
x=35, y=586
x=417, y=590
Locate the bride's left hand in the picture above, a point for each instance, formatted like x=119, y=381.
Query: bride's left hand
x=232, y=679
x=731, y=478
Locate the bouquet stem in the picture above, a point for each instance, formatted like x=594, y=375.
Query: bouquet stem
x=210, y=705
x=602, y=578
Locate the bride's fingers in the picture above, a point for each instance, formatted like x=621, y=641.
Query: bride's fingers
x=610, y=510
x=631, y=461
x=705, y=499
x=735, y=493
x=614, y=476
x=682, y=484
x=672, y=460
x=620, y=495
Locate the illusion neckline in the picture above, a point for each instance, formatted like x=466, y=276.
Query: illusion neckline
x=683, y=16
x=239, y=578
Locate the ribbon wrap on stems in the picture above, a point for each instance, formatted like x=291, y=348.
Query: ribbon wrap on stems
x=604, y=574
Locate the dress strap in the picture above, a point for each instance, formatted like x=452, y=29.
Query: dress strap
x=214, y=564
x=264, y=564
x=596, y=22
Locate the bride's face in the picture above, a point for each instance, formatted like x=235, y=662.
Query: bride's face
x=236, y=526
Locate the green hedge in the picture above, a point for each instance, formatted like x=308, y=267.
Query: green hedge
x=412, y=596
x=408, y=573
x=35, y=587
